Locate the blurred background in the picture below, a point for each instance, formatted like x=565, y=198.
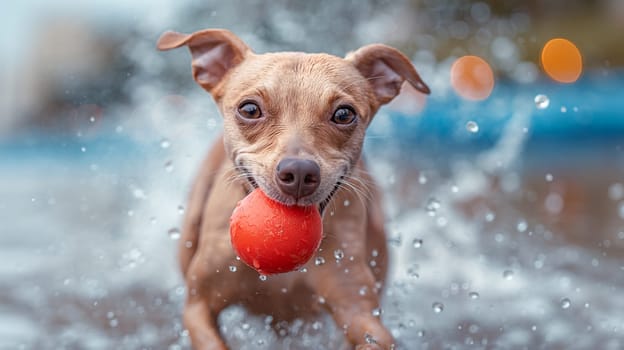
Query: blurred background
x=504, y=188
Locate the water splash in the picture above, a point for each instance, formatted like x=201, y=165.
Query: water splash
x=565, y=303
x=437, y=307
x=472, y=127
x=165, y=143
x=174, y=233
x=417, y=243
x=338, y=254
x=541, y=101
x=432, y=206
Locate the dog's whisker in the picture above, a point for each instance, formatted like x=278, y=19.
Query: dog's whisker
x=360, y=184
x=359, y=194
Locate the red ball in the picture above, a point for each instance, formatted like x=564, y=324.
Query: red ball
x=272, y=237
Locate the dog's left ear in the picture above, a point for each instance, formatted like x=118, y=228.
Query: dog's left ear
x=386, y=68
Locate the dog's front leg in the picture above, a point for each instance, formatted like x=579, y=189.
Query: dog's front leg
x=346, y=280
x=201, y=323
x=208, y=293
x=355, y=307
x=211, y=286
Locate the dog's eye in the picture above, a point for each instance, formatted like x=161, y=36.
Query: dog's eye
x=249, y=110
x=344, y=116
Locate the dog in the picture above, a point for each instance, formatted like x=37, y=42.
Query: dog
x=293, y=126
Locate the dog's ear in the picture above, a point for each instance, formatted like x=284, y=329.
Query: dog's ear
x=214, y=52
x=386, y=69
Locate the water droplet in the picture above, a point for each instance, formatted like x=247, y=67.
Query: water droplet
x=362, y=290
x=165, y=143
x=346, y=203
x=417, y=243
x=549, y=177
x=564, y=109
x=180, y=290
x=92, y=119
x=113, y=323
x=499, y=237
x=565, y=303
x=508, y=275
x=317, y=325
x=369, y=339
x=616, y=191
x=538, y=264
x=83, y=149
x=432, y=206
x=377, y=312
x=521, y=226
x=437, y=307
x=338, y=254
x=262, y=278
x=473, y=295
x=180, y=209
x=188, y=244
x=110, y=315
x=413, y=272
x=422, y=179
x=169, y=166
x=554, y=203
x=395, y=239
x=472, y=127
x=541, y=101
x=421, y=333
x=490, y=216
x=233, y=268
x=319, y=261
x=174, y=233
x=374, y=253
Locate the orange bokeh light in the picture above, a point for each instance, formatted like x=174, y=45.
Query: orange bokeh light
x=472, y=78
x=562, y=60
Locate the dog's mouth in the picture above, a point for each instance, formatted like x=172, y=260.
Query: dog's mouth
x=321, y=206
x=249, y=177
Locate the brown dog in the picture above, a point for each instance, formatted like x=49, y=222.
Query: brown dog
x=294, y=125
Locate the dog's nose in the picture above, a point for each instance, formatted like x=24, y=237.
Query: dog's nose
x=298, y=177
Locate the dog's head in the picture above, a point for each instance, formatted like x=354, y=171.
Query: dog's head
x=294, y=123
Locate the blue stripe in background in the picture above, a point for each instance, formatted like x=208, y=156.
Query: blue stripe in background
x=594, y=118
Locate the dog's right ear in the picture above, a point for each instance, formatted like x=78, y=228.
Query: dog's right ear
x=214, y=52
x=386, y=68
